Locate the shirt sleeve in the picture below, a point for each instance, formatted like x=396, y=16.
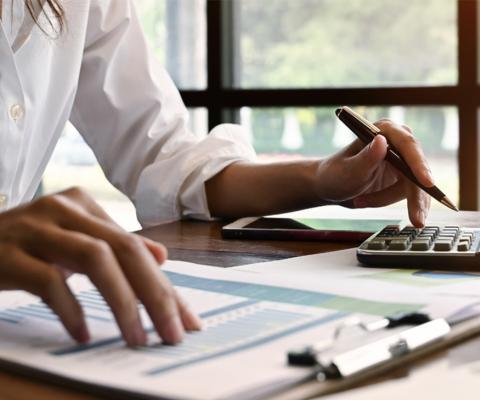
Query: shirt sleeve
x=129, y=111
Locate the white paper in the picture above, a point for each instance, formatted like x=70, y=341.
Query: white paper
x=251, y=320
x=341, y=272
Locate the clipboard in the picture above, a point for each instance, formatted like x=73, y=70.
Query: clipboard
x=315, y=385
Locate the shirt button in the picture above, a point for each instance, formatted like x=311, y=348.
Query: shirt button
x=16, y=112
x=3, y=200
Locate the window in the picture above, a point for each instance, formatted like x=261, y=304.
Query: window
x=281, y=67
x=287, y=64
x=345, y=43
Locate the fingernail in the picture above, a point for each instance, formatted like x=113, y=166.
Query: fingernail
x=191, y=319
x=195, y=323
x=139, y=336
x=429, y=177
x=82, y=336
x=421, y=217
x=136, y=336
x=173, y=331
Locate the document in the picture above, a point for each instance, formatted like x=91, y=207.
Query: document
x=250, y=320
x=341, y=270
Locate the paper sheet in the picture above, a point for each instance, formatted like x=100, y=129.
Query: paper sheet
x=340, y=270
x=251, y=319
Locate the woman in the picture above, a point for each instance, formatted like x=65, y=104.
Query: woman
x=98, y=74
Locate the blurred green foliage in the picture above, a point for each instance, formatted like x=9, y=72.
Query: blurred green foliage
x=305, y=43
x=331, y=43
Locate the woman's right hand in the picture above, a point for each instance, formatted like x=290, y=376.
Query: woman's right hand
x=42, y=241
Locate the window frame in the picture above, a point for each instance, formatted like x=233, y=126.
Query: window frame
x=220, y=98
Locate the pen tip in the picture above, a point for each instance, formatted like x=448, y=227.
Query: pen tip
x=447, y=202
x=338, y=111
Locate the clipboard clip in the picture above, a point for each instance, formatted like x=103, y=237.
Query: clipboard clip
x=377, y=353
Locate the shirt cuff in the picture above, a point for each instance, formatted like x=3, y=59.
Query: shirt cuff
x=171, y=190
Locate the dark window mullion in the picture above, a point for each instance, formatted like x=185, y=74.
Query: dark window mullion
x=214, y=61
x=413, y=96
x=220, y=60
x=468, y=104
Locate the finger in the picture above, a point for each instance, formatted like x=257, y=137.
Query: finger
x=139, y=267
x=409, y=148
x=82, y=253
x=370, y=158
x=151, y=286
x=189, y=318
x=158, y=250
x=37, y=277
x=381, y=198
x=418, y=204
x=86, y=203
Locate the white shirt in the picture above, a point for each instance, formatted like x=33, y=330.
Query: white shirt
x=100, y=75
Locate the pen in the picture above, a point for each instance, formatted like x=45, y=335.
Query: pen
x=366, y=132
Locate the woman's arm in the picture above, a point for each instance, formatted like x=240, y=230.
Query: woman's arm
x=357, y=176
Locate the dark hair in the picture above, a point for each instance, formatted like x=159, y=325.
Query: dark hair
x=55, y=7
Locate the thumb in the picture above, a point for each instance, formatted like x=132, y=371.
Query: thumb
x=371, y=156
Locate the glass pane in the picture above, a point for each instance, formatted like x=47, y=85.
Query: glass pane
x=176, y=31
x=73, y=158
x=198, y=121
x=329, y=43
x=292, y=133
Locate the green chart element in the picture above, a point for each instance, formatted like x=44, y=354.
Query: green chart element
x=421, y=278
x=291, y=296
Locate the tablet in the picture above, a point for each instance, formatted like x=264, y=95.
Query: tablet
x=304, y=228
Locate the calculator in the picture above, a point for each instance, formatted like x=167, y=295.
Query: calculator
x=447, y=247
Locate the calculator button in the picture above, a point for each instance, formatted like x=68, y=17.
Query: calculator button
x=398, y=244
x=443, y=245
x=387, y=239
x=453, y=234
x=445, y=236
x=426, y=236
x=466, y=235
x=431, y=234
x=453, y=227
x=421, y=244
x=388, y=233
x=409, y=231
x=449, y=230
x=394, y=228
x=433, y=228
x=377, y=245
x=463, y=246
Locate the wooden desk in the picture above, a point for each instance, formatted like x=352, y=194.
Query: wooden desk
x=201, y=242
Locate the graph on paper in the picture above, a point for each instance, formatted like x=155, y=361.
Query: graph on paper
x=96, y=308
x=260, y=314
